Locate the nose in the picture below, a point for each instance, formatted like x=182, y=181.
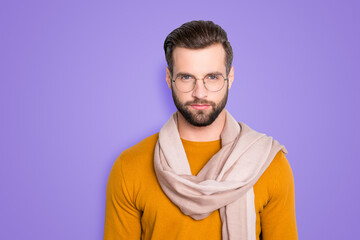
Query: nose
x=199, y=91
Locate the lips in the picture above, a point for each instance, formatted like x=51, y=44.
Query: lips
x=200, y=106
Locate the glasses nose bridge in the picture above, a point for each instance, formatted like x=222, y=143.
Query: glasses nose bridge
x=200, y=79
x=199, y=90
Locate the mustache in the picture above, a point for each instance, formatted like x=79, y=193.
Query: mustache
x=200, y=101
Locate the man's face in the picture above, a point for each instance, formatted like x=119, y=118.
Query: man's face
x=200, y=107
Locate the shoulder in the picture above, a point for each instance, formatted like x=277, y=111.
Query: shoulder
x=279, y=164
x=133, y=165
x=144, y=147
x=138, y=154
x=280, y=167
x=130, y=171
x=278, y=177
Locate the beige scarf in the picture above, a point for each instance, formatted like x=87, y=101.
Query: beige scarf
x=225, y=182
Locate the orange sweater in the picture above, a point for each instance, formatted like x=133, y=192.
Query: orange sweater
x=136, y=207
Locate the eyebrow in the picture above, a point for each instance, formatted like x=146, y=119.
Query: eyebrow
x=185, y=73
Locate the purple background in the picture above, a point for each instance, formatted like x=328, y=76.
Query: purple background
x=82, y=81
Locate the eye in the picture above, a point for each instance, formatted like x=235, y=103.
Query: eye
x=212, y=77
x=186, y=77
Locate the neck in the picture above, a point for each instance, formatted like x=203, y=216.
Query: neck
x=201, y=134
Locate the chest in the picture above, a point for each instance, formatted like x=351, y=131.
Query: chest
x=161, y=219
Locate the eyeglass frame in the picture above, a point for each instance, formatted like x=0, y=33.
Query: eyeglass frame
x=203, y=80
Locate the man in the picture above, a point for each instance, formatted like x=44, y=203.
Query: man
x=204, y=175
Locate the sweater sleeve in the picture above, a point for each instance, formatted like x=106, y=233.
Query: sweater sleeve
x=278, y=217
x=122, y=218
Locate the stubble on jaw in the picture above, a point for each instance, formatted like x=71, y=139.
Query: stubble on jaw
x=200, y=118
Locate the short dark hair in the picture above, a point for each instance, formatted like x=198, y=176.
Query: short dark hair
x=197, y=35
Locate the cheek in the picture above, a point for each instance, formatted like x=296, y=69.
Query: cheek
x=220, y=95
x=184, y=96
x=180, y=97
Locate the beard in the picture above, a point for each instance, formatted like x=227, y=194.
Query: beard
x=200, y=118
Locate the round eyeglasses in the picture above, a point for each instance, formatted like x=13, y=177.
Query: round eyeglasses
x=213, y=82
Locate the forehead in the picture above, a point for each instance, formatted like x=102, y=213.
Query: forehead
x=199, y=61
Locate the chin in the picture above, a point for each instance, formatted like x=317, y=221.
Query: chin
x=200, y=118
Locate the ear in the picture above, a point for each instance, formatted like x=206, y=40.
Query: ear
x=231, y=77
x=168, y=77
